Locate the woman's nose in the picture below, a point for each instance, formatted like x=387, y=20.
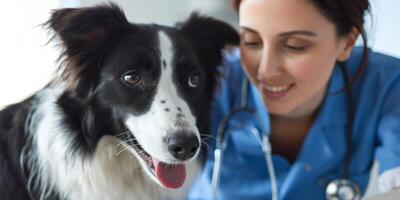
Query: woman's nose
x=270, y=65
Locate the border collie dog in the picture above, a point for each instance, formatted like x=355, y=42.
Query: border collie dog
x=125, y=117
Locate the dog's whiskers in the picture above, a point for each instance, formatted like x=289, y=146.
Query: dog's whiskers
x=202, y=155
x=124, y=142
x=122, y=150
x=120, y=147
x=125, y=132
x=119, y=152
x=206, y=136
x=206, y=145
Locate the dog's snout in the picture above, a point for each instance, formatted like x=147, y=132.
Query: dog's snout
x=182, y=145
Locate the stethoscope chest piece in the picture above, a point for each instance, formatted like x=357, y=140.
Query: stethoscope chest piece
x=342, y=189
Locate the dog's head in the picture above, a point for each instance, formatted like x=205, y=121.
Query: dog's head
x=156, y=82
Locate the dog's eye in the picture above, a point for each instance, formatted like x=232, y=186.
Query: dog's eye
x=194, y=80
x=132, y=78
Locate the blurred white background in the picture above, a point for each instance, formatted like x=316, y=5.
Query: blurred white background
x=27, y=63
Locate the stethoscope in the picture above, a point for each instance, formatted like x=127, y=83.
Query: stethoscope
x=339, y=189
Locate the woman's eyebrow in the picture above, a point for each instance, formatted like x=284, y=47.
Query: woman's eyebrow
x=298, y=32
x=244, y=28
x=283, y=34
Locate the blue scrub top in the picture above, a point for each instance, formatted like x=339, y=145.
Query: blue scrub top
x=376, y=135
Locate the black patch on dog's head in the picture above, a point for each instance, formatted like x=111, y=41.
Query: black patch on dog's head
x=86, y=34
x=207, y=37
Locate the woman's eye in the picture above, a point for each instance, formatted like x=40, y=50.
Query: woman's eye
x=194, y=80
x=252, y=44
x=297, y=48
x=132, y=78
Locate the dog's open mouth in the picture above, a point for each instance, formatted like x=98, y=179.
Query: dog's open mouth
x=169, y=175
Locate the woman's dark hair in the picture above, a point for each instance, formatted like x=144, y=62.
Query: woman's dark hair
x=346, y=15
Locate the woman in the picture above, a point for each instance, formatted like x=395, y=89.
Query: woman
x=333, y=109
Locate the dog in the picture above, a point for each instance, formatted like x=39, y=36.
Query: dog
x=126, y=114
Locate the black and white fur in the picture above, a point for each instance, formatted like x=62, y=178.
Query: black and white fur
x=120, y=85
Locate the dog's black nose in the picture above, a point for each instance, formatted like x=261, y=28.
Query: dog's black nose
x=182, y=145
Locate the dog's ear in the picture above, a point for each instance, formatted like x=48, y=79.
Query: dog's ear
x=85, y=34
x=87, y=28
x=209, y=37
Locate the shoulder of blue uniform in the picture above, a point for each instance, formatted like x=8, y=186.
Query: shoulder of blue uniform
x=232, y=73
x=222, y=99
x=380, y=75
x=380, y=89
x=386, y=65
x=369, y=90
x=386, y=73
x=232, y=64
x=229, y=86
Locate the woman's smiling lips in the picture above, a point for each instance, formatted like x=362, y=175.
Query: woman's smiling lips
x=276, y=92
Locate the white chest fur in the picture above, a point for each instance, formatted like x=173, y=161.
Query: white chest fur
x=103, y=176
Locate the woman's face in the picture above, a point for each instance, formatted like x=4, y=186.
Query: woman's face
x=288, y=51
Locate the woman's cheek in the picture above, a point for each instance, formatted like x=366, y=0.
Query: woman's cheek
x=308, y=68
x=301, y=69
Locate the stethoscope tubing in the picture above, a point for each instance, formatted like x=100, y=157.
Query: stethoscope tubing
x=263, y=140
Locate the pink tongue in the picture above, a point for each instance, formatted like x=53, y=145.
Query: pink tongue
x=171, y=176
